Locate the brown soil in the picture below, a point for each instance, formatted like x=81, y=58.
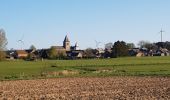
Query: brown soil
x=120, y=88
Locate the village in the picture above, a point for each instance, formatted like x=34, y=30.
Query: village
x=85, y=50
x=66, y=51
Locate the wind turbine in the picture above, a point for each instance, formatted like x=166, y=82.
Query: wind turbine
x=97, y=44
x=161, y=34
x=21, y=41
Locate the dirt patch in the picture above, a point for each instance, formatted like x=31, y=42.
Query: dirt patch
x=138, y=88
x=103, y=71
x=62, y=73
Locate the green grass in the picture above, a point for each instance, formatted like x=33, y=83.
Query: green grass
x=130, y=66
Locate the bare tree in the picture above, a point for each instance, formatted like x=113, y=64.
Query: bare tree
x=3, y=43
x=143, y=43
x=131, y=45
x=147, y=44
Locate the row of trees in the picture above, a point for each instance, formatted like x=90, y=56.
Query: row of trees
x=149, y=46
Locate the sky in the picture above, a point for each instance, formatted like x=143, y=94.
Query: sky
x=45, y=23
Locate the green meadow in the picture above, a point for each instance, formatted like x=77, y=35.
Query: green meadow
x=128, y=66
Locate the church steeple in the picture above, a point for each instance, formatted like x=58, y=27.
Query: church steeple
x=76, y=47
x=66, y=43
x=66, y=39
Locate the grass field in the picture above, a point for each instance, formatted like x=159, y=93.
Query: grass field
x=130, y=66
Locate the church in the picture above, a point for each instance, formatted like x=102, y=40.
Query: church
x=72, y=52
x=66, y=46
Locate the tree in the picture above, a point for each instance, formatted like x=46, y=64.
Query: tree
x=141, y=43
x=32, y=47
x=164, y=45
x=89, y=53
x=120, y=49
x=52, y=53
x=144, y=44
x=61, y=54
x=167, y=45
x=3, y=43
x=31, y=56
x=131, y=45
x=2, y=55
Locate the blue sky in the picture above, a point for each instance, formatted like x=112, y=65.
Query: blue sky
x=46, y=22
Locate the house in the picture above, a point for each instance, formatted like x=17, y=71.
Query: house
x=100, y=53
x=133, y=51
x=143, y=52
x=163, y=52
x=21, y=54
x=10, y=54
x=140, y=54
x=75, y=54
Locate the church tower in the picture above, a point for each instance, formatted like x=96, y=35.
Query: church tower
x=66, y=43
x=76, y=47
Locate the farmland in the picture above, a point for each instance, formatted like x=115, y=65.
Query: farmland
x=130, y=66
x=119, y=78
x=110, y=88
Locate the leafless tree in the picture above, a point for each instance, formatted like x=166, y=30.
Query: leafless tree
x=3, y=43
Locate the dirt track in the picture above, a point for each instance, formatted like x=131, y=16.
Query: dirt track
x=138, y=88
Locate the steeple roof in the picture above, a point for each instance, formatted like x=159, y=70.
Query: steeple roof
x=76, y=45
x=66, y=39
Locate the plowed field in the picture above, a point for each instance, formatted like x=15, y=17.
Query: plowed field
x=140, y=88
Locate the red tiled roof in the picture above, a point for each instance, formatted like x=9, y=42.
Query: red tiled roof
x=21, y=52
